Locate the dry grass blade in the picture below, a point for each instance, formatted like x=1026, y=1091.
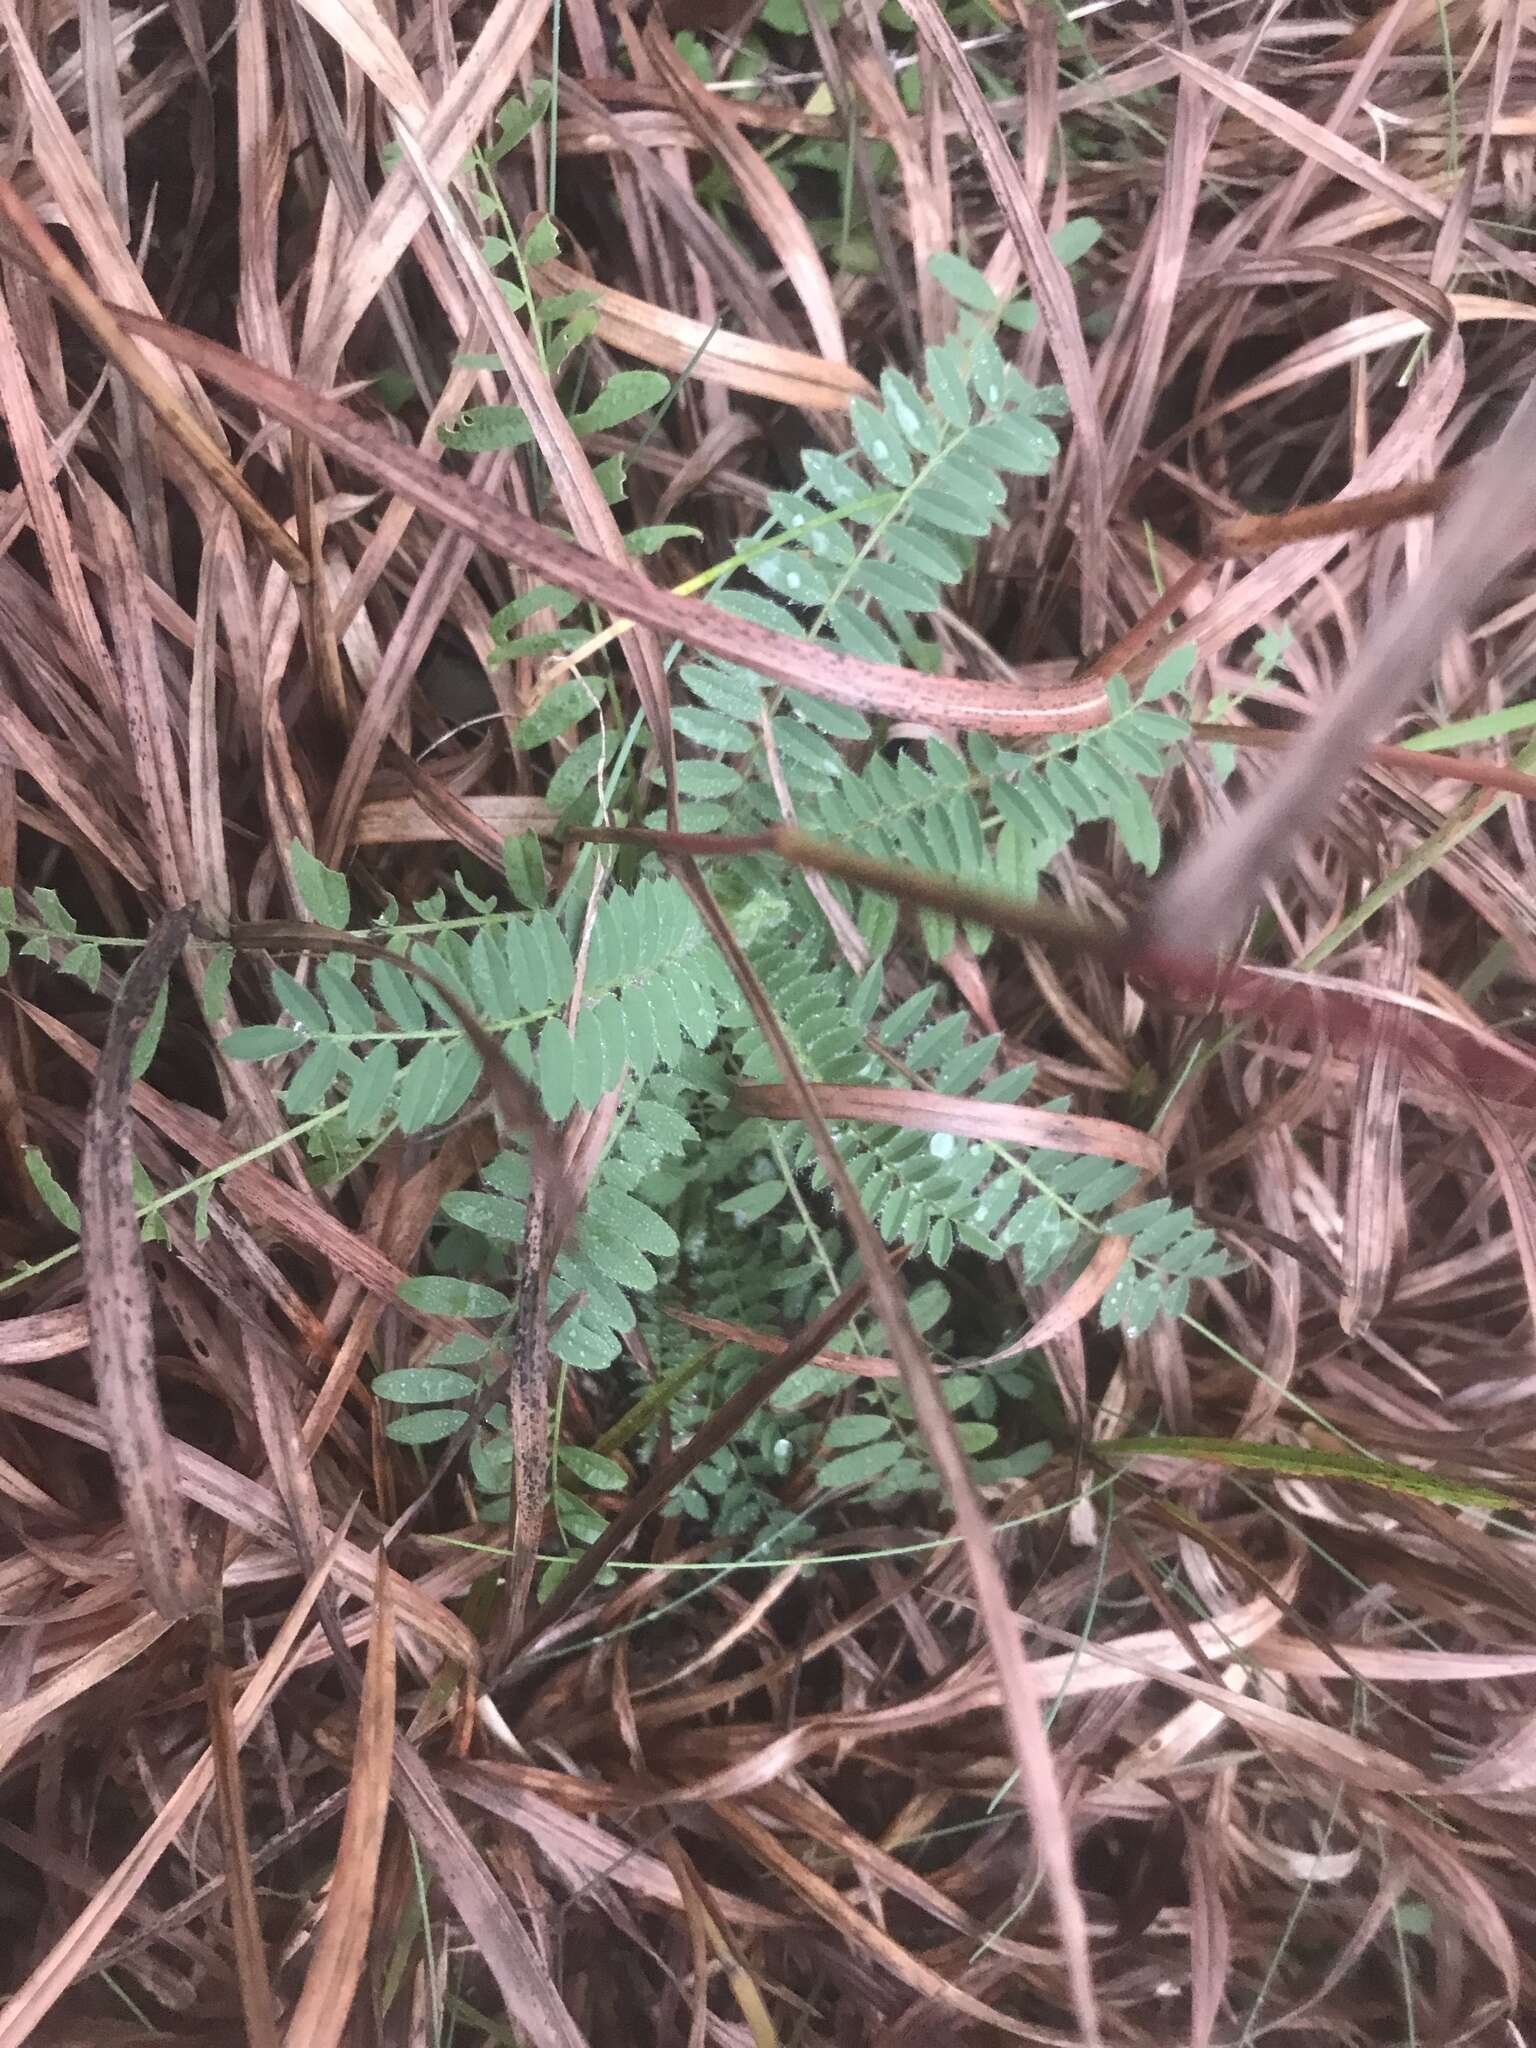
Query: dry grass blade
x=511, y=1791
x=1331, y=151
x=362, y=32
x=20, y=1720
x=118, y=1300
x=393, y=821
x=678, y=343
x=401, y=210
x=1511, y=1166
x=51, y=1333
x=268, y=1200
x=256, y=2002
x=918, y=1109
x=860, y=1363
x=147, y=707
x=863, y=1935
x=576, y=487
x=1374, y=1219
x=324, y=2007
x=250, y=1507
x=51, y=767
x=29, y=441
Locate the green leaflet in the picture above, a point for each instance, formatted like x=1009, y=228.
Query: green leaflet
x=324, y=893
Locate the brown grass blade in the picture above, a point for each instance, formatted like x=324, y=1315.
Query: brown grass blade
x=855, y=1364
x=920, y=1109
x=118, y=1301
x=1352, y=342
x=362, y=32
x=296, y=1212
x=720, y=266
x=104, y=106
x=146, y=703
x=398, y=820
x=1266, y=590
x=863, y=1935
x=50, y=766
x=570, y=467
x=1210, y=1931
x=1161, y=266
x=1343, y=158
x=324, y=2007
x=1512, y=1168
x=18, y=1722
x=50, y=1333
x=930, y=224
x=75, y=191
x=590, y=1852
x=247, y=1505
x=256, y=2001
x=813, y=1817
x=676, y=342
x=1374, y=1216
x=29, y=442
